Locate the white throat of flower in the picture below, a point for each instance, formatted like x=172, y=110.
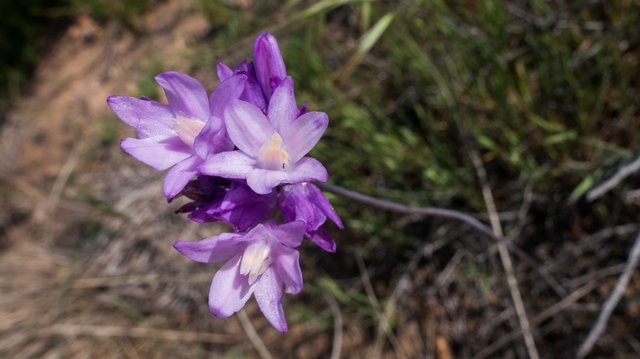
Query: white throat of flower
x=272, y=155
x=255, y=260
x=188, y=129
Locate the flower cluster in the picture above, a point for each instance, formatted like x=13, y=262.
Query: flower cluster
x=239, y=155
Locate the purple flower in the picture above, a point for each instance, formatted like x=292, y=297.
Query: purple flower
x=240, y=207
x=252, y=91
x=305, y=202
x=202, y=191
x=272, y=149
x=181, y=134
x=269, y=64
x=264, y=75
x=260, y=262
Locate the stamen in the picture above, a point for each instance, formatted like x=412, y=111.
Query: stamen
x=255, y=260
x=188, y=129
x=272, y=155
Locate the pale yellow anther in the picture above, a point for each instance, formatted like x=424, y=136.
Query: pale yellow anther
x=255, y=261
x=188, y=129
x=272, y=155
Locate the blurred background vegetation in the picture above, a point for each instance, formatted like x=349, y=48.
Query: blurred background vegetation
x=545, y=91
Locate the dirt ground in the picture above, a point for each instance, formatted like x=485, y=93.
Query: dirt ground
x=87, y=269
x=86, y=237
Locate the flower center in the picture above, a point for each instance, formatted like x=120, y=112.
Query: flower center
x=255, y=260
x=188, y=129
x=272, y=155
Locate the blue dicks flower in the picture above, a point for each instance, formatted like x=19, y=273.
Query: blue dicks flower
x=269, y=64
x=252, y=91
x=272, y=149
x=261, y=262
x=263, y=75
x=238, y=205
x=181, y=134
x=305, y=202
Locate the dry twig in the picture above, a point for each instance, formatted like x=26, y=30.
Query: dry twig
x=504, y=256
x=612, y=301
x=396, y=207
x=336, y=348
x=444, y=213
x=403, y=286
x=253, y=336
x=622, y=173
x=546, y=314
x=366, y=281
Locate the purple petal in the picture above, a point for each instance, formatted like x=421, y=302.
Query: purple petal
x=225, y=92
x=186, y=95
x=295, y=204
x=289, y=234
x=246, y=68
x=322, y=239
x=252, y=91
x=149, y=118
x=247, y=126
x=212, y=138
x=268, y=292
x=180, y=175
x=303, y=133
x=158, y=152
x=263, y=181
x=229, y=289
x=317, y=197
x=287, y=267
x=282, y=106
x=253, y=94
x=213, y=249
x=268, y=61
x=303, y=109
x=230, y=164
x=307, y=170
x=224, y=72
x=243, y=208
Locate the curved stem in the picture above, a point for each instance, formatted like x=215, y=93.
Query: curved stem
x=396, y=207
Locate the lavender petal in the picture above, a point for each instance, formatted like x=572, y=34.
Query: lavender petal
x=229, y=289
x=224, y=72
x=263, y=181
x=287, y=267
x=148, y=118
x=186, y=95
x=282, y=106
x=307, y=170
x=212, y=139
x=247, y=126
x=268, y=292
x=157, y=152
x=213, y=249
x=303, y=133
x=179, y=175
x=230, y=164
x=228, y=90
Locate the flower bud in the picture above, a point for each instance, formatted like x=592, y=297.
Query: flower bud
x=269, y=63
